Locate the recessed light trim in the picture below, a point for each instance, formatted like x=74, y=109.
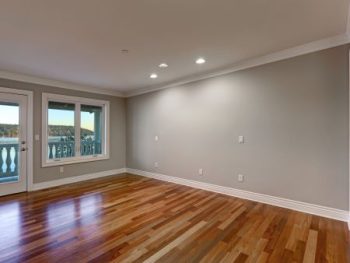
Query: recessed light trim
x=153, y=76
x=200, y=61
x=163, y=65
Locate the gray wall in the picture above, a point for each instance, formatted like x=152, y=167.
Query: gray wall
x=117, y=132
x=293, y=114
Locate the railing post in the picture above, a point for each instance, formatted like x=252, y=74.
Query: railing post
x=71, y=149
x=68, y=149
x=50, y=151
x=1, y=160
x=15, y=160
x=58, y=151
x=8, y=160
x=64, y=149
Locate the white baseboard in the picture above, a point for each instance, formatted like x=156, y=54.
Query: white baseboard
x=323, y=211
x=75, y=179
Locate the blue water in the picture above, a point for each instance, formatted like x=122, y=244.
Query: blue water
x=4, y=140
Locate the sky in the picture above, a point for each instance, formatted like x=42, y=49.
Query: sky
x=64, y=117
x=10, y=115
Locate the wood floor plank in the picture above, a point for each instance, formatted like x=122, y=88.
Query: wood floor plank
x=130, y=218
x=311, y=245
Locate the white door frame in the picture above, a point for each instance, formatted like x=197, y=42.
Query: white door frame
x=30, y=143
x=349, y=137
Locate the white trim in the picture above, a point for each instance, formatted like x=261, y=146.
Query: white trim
x=348, y=21
x=76, y=179
x=30, y=144
x=328, y=212
x=73, y=160
x=46, y=97
x=349, y=133
x=254, y=62
x=58, y=84
x=77, y=126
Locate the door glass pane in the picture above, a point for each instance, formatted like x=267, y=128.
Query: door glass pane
x=9, y=142
x=91, y=130
x=61, y=130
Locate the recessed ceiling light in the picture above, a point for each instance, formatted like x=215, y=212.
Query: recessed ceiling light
x=153, y=76
x=200, y=61
x=163, y=65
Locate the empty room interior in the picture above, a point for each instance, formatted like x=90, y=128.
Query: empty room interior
x=174, y=131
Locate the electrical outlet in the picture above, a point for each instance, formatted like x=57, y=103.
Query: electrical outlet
x=240, y=178
x=156, y=138
x=200, y=171
x=241, y=139
x=156, y=164
x=61, y=169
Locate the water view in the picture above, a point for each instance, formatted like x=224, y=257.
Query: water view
x=9, y=142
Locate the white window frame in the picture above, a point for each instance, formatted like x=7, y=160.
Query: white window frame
x=78, y=101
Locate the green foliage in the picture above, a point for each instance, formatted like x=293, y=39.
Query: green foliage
x=67, y=132
x=9, y=130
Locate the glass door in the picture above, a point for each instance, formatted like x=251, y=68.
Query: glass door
x=13, y=143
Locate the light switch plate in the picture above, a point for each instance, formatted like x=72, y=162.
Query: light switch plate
x=241, y=139
x=200, y=171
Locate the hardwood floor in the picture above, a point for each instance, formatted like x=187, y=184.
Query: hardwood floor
x=134, y=219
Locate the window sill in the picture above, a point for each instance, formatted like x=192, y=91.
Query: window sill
x=66, y=161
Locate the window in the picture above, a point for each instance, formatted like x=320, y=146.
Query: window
x=61, y=130
x=74, y=130
x=90, y=130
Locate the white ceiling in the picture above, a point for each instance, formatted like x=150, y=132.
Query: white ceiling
x=80, y=41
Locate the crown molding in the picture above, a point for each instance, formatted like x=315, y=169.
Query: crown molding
x=250, y=63
x=254, y=62
x=58, y=84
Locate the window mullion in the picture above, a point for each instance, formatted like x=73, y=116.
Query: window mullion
x=77, y=129
x=45, y=134
x=104, y=127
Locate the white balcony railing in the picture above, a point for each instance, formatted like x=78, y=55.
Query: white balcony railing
x=58, y=150
x=9, y=162
x=9, y=155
